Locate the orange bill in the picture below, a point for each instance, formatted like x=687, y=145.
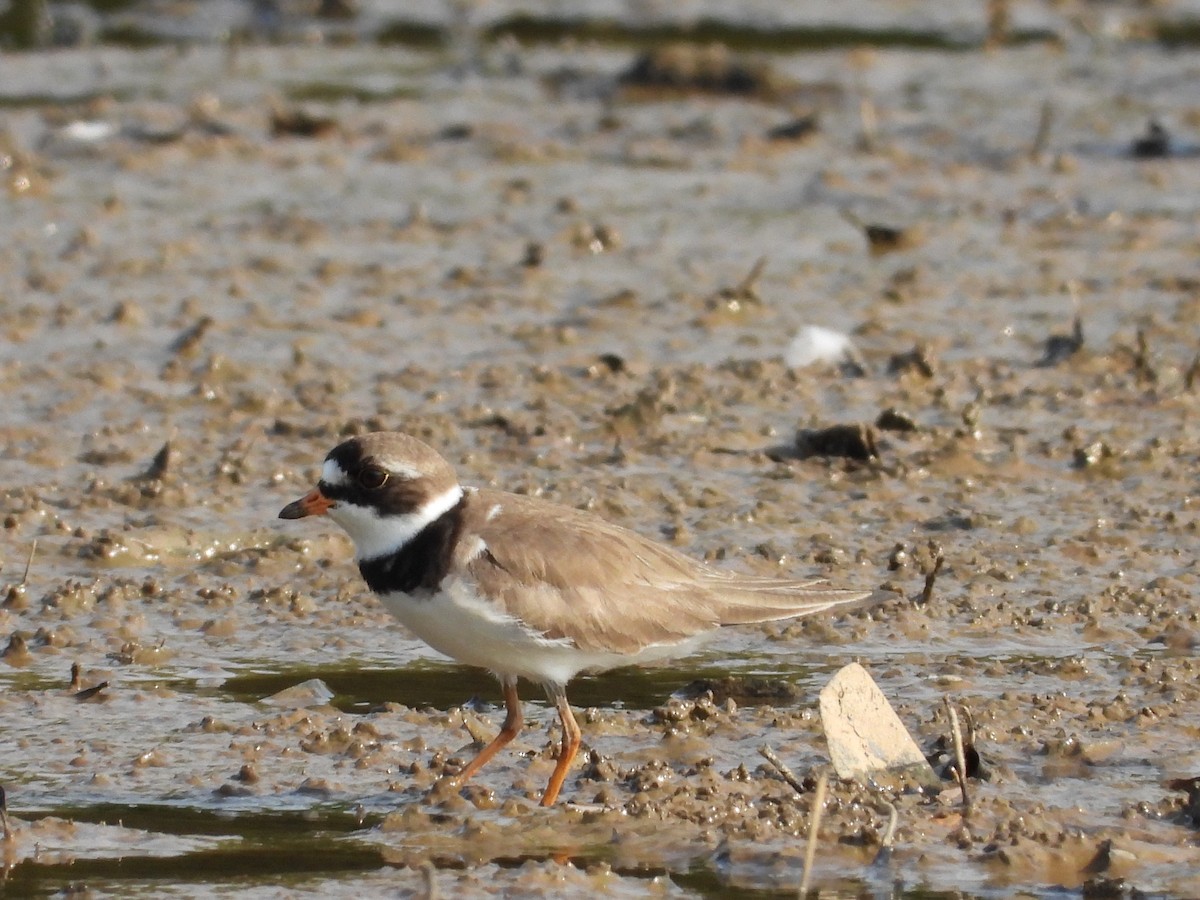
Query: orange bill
x=314, y=503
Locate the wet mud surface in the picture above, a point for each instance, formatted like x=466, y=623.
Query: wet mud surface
x=218, y=259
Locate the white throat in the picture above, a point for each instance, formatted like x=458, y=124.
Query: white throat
x=375, y=535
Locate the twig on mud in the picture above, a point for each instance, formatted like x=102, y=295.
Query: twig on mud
x=1042, y=137
x=938, y=560
x=6, y=832
x=889, y=834
x=814, y=825
x=1143, y=369
x=158, y=465
x=429, y=881
x=781, y=767
x=970, y=717
x=239, y=461
x=232, y=464
x=29, y=561
x=749, y=285
x=960, y=756
x=999, y=24
x=746, y=290
x=89, y=693
x=868, y=123
x=478, y=735
x=1192, y=375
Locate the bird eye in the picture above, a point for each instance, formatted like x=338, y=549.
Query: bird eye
x=372, y=478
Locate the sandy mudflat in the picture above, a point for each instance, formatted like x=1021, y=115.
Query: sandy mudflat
x=250, y=251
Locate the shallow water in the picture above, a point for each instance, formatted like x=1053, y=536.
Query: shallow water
x=176, y=272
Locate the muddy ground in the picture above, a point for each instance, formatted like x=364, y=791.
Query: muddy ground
x=540, y=258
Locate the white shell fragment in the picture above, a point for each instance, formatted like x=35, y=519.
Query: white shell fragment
x=815, y=344
x=866, y=738
x=313, y=692
x=83, y=131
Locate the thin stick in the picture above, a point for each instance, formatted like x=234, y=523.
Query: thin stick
x=7, y=832
x=1192, y=375
x=960, y=756
x=241, y=460
x=869, y=123
x=781, y=767
x=478, y=735
x=814, y=825
x=889, y=833
x=938, y=560
x=429, y=884
x=29, y=561
x=159, y=464
x=1042, y=137
x=848, y=214
x=999, y=20
x=1077, y=305
x=1141, y=359
x=746, y=288
x=1073, y=292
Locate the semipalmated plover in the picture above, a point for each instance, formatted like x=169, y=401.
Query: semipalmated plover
x=523, y=587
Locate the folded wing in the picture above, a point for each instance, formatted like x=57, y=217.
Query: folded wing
x=608, y=589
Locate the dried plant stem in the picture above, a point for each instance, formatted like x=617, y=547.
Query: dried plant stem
x=1042, y=137
x=868, y=136
x=927, y=593
x=473, y=726
x=429, y=886
x=814, y=825
x=960, y=756
x=750, y=282
x=781, y=767
x=884, y=855
x=889, y=833
x=6, y=832
x=29, y=561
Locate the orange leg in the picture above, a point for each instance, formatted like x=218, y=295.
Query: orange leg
x=512, y=724
x=572, y=738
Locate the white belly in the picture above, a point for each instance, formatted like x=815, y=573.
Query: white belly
x=456, y=621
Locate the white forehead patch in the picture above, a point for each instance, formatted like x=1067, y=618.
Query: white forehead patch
x=331, y=473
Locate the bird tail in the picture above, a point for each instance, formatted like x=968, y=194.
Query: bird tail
x=739, y=600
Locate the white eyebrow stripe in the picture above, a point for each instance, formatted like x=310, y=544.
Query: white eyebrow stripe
x=334, y=474
x=399, y=469
x=331, y=473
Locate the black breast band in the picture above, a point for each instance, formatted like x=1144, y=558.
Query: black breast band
x=421, y=563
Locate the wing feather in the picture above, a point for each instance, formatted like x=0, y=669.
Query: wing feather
x=568, y=574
